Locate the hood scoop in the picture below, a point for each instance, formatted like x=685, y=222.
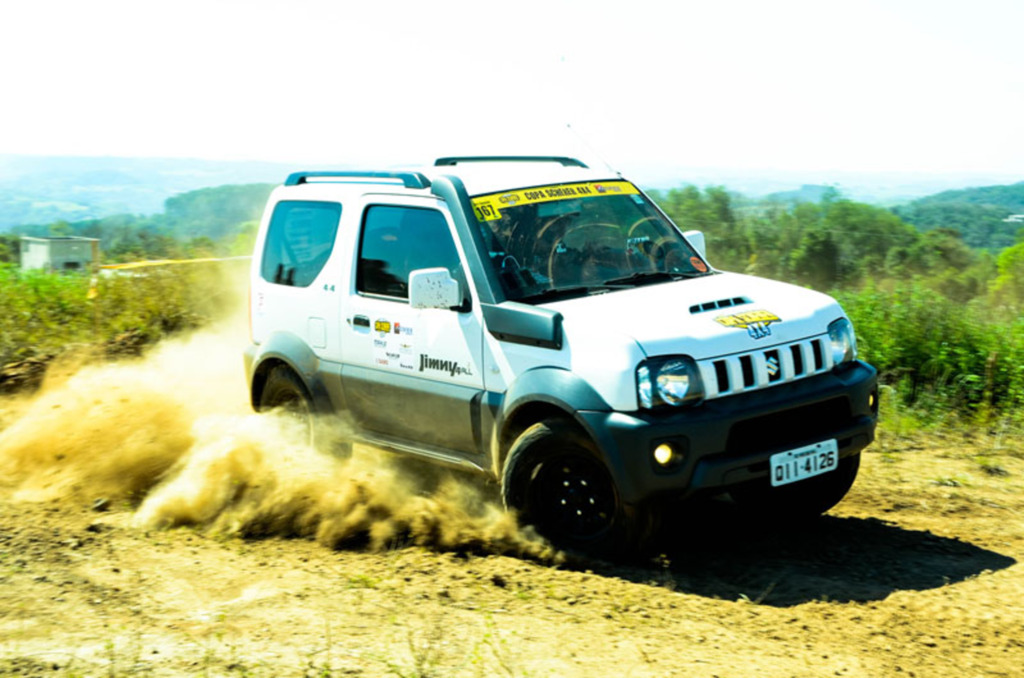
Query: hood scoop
x=721, y=303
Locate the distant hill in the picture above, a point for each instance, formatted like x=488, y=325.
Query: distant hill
x=1010, y=197
x=979, y=214
x=883, y=188
x=806, y=193
x=214, y=221
x=42, y=190
x=215, y=212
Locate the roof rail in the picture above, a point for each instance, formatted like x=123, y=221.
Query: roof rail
x=409, y=179
x=561, y=160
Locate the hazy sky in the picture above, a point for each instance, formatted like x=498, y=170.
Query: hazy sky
x=903, y=85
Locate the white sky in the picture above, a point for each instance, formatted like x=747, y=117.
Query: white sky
x=868, y=85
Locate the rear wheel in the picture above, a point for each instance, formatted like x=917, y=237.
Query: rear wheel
x=554, y=478
x=285, y=391
x=803, y=500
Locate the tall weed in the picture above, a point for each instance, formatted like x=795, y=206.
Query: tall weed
x=942, y=357
x=41, y=314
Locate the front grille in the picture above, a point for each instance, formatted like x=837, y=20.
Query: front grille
x=744, y=372
x=789, y=427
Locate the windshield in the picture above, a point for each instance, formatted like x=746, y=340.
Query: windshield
x=580, y=238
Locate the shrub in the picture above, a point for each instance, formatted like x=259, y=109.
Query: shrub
x=42, y=313
x=939, y=354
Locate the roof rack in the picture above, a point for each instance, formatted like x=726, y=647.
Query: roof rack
x=408, y=179
x=561, y=160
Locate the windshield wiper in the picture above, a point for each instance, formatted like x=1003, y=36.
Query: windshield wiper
x=571, y=292
x=646, y=277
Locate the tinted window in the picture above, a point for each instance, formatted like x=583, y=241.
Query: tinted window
x=399, y=240
x=299, y=241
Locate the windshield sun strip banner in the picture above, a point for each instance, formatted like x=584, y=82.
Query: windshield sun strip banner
x=488, y=207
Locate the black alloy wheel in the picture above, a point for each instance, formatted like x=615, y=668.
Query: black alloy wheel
x=554, y=478
x=571, y=496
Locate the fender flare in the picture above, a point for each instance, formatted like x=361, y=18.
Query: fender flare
x=543, y=392
x=288, y=349
x=552, y=385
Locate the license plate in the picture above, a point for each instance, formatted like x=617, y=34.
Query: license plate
x=804, y=462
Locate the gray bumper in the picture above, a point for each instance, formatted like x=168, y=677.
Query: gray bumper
x=728, y=441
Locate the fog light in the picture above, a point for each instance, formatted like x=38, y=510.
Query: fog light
x=663, y=454
x=871, y=400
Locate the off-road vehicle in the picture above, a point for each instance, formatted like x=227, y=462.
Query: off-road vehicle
x=546, y=325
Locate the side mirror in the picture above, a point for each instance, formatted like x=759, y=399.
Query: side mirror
x=434, y=288
x=696, y=238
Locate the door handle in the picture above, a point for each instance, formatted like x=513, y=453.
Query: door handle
x=361, y=321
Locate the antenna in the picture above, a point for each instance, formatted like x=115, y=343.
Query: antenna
x=592, y=149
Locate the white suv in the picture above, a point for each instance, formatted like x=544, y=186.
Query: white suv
x=546, y=325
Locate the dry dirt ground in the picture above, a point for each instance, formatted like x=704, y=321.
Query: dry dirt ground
x=142, y=534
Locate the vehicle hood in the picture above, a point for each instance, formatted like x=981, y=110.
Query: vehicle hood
x=693, y=317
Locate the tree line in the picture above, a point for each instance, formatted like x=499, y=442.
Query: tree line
x=828, y=244
x=208, y=222
x=837, y=243
x=940, y=319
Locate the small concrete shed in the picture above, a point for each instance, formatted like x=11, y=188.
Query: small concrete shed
x=59, y=253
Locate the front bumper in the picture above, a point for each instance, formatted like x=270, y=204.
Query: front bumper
x=728, y=440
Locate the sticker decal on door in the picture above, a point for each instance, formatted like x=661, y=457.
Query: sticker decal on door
x=393, y=345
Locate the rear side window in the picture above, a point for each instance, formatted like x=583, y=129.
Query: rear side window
x=299, y=241
x=399, y=240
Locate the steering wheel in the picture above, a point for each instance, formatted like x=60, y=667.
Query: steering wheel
x=662, y=248
x=552, y=255
x=549, y=223
x=640, y=222
x=537, y=246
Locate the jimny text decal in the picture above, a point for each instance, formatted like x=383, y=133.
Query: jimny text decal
x=452, y=367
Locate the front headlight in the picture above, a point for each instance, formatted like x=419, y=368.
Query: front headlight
x=668, y=381
x=843, y=341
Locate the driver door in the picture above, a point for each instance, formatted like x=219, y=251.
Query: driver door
x=410, y=374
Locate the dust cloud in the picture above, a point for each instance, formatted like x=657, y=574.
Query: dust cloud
x=171, y=437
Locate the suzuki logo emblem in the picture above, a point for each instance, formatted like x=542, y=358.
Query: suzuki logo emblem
x=773, y=366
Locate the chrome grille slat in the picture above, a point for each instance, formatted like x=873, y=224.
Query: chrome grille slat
x=725, y=376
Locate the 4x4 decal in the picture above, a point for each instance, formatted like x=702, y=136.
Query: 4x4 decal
x=756, y=323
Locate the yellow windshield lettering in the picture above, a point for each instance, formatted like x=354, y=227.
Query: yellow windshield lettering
x=488, y=207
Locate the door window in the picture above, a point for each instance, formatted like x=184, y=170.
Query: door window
x=397, y=240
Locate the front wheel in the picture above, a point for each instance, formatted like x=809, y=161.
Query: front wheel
x=556, y=481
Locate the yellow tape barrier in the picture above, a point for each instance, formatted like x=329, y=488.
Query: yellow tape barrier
x=165, y=262
x=133, y=265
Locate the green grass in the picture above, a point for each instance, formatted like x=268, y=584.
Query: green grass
x=945, y=362
x=43, y=314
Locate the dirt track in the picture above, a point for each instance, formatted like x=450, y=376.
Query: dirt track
x=918, y=572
